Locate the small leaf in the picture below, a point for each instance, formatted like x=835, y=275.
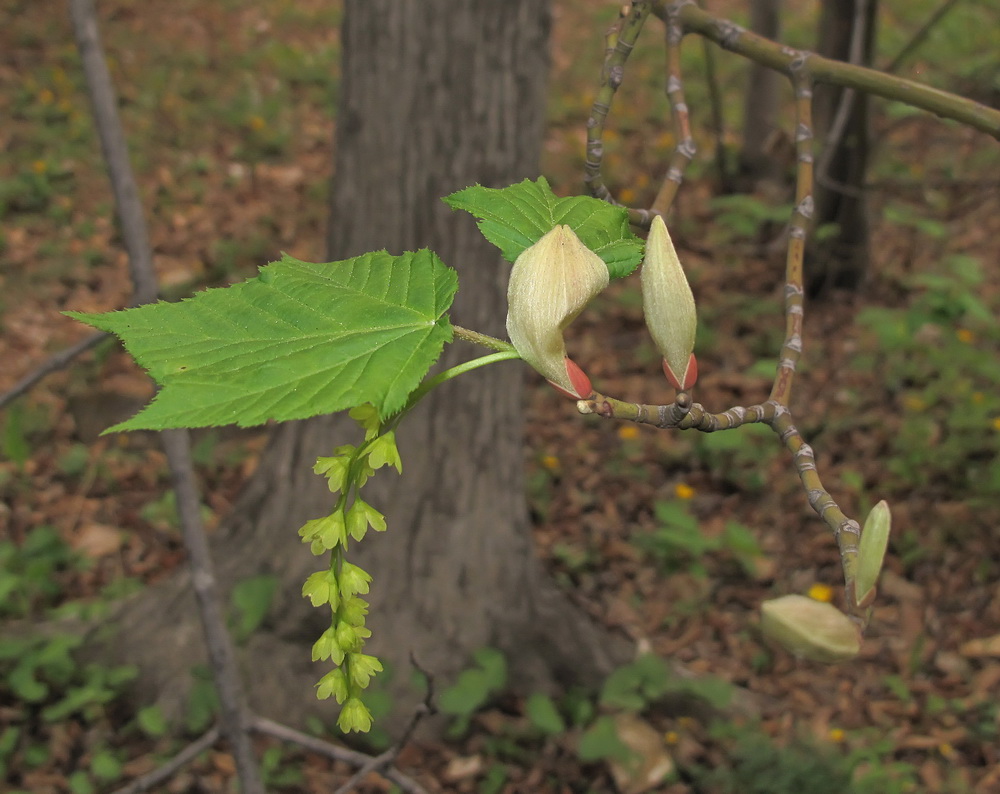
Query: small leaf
x=871, y=550
x=152, y=722
x=493, y=665
x=251, y=599
x=516, y=217
x=601, y=742
x=544, y=715
x=299, y=340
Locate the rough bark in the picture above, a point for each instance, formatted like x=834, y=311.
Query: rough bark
x=436, y=95
x=841, y=260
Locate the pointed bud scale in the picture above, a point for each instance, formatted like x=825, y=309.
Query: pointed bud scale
x=871, y=551
x=549, y=286
x=810, y=629
x=669, y=307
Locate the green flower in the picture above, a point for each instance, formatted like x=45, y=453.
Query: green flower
x=354, y=716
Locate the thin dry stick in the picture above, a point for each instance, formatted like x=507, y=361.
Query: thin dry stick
x=320, y=747
x=59, y=361
x=920, y=36
x=176, y=443
x=386, y=758
x=166, y=771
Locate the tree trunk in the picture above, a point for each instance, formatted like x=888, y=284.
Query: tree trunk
x=436, y=95
x=762, y=102
x=841, y=259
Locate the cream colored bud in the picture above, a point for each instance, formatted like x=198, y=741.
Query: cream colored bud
x=669, y=306
x=810, y=629
x=550, y=284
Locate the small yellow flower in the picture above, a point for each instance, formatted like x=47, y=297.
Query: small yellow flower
x=550, y=462
x=257, y=123
x=965, y=335
x=627, y=196
x=836, y=734
x=664, y=140
x=39, y=166
x=946, y=750
x=683, y=491
x=628, y=432
x=821, y=592
x=46, y=97
x=642, y=180
x=996, y=423
x=977, y=397
x=914, y=403
x=671, y=737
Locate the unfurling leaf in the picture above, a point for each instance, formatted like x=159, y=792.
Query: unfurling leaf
x=669, y=307
x=516, y=217
x=549, y=286
x=871, y=550
x=810, y=629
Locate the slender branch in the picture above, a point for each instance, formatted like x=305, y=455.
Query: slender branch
x=791, y=348
x=683, y=414
x=684, y=149
x=846, y=531
x=58, y=361
x=825, y=70
x=343, y=754
x=620, y=41
x=233, y=714
x=232, y=705
x=167, y=770
x=920, y=36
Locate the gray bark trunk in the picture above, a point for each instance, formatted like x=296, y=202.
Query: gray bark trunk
x=841, y=261
x=762, y=102
x=436, y=95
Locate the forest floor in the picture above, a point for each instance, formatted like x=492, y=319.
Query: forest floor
x=673, y=539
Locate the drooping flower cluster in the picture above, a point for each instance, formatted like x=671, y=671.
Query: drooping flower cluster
x=340, y=585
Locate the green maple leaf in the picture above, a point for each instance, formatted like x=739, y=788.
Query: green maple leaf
x=516, y=217
x=299, y=340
